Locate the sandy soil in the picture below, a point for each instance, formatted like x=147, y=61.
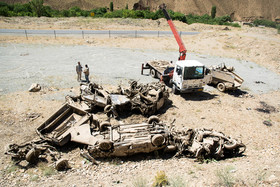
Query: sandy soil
x=236, y=116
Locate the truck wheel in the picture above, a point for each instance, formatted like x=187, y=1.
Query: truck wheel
x=221, y=87
x=153, y=119
x=153, y=73
x=174, y=89
x=157, y=140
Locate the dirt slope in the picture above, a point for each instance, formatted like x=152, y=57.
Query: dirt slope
x=238, y=9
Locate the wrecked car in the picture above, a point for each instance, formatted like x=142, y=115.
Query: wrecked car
x=146, y=99
x=71, y=124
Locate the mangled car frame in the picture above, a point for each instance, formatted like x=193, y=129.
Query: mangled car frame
x=71, y=124
x=147, y=99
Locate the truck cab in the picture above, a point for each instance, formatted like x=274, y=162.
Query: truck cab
x=188, y=76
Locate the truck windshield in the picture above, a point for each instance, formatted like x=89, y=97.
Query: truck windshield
x=193, y=72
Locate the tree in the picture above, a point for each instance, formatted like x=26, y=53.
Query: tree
x=37, y=7
x=213, y=12
x=111, y=6
x=126, y=7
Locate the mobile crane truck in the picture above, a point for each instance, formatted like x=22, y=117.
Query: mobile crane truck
x=185, y=75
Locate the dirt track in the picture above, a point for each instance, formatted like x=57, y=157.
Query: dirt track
x=235, y=116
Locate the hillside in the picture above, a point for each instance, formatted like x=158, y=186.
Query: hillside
x=241, y=10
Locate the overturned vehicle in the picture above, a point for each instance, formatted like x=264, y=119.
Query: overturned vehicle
x=144, y=98
x=101, y=139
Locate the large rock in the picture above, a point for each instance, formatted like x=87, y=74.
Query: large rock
x=35, y=87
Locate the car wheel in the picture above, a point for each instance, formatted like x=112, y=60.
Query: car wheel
x=61, y=165
x=32, y=156
x=104, y=126
x=105, y=145
x=157, y=140
x=107, y=109
x=221, y=87
x=153, y=119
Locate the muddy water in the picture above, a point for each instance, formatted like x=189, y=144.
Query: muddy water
x=54, y=66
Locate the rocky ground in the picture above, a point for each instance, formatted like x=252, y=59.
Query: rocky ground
x=241, y=115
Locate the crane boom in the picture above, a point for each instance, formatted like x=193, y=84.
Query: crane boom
x=182, y=48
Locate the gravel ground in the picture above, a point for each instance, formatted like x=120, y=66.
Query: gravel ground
x=54, y=66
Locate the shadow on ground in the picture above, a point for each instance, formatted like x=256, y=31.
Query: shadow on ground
x=198, y=96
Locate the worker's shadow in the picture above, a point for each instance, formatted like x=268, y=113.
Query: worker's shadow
x=198, y=96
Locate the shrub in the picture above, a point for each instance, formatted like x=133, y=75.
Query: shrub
x=4, y=11
x=111, y=6
x=37, y=7
x=266, y=23
x=213, y=12
x=160, y=179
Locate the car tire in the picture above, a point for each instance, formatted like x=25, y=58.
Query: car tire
x=157, y=140
x=32, y=156
x=221, y=87
x=105, y=145
x=61, y=165
x=153, y=119
x=104, y=126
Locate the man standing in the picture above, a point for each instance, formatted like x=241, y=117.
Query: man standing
x=86, y=72
x=79, y=71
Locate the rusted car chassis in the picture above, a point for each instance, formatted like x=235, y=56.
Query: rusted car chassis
x=71, y=124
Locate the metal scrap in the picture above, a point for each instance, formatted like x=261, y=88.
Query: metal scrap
x=70, y=124
x=145, y=98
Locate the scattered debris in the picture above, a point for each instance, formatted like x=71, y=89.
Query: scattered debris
x=147, y=99
x=71, y=124
x=267, y=123
x=265, y=108
x=32, y=116
x=226, y=29
x=35, y=87
x=259, y=82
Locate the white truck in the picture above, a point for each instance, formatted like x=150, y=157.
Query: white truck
x=188, y=76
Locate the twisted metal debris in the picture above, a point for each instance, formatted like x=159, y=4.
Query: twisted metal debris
x=105, y=140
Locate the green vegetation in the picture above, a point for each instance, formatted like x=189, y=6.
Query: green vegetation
x=140, y=182
x=111, y=6
x=36, y=8
x=213, y=12
x=160, y=179
x=225, y=177
x=267, y=23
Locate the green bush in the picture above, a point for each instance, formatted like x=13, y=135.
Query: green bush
x=99, y=12
x=213, y=12
x=111, y=6
x=266, y=23
x=4, y=11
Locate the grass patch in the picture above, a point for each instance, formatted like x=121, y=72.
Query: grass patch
x=46, y=170
x=225, y=177
x=177, y=181
x=12, y=168
x=140, y=182
x=34, y=178
x=160, y=179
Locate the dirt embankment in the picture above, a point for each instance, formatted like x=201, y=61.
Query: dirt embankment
x=238, y=9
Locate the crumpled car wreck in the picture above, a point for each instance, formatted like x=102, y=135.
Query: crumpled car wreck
x=71, y=124
x=147, y=99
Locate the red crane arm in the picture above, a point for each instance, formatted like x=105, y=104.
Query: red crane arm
x=182, y=48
